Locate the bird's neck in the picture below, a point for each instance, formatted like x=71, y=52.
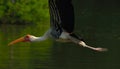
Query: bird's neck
x=41, y=38
x=35, y=39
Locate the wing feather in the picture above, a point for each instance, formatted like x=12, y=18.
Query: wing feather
x=61, y=15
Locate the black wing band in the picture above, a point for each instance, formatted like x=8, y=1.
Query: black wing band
x=61, y=15
x=66, y=12
x=55, y=20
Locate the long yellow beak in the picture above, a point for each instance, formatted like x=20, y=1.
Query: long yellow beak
x=21, y=39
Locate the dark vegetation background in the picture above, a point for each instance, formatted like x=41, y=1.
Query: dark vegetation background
x=23, y=11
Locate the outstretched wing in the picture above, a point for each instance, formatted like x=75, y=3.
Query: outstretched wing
x=61, y=15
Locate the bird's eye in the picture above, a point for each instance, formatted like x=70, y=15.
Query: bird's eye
x=27, y=38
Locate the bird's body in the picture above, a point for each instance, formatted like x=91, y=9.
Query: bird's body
x=64, y=37
x=61, y=26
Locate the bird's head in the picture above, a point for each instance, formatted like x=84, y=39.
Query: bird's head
x=26, y=38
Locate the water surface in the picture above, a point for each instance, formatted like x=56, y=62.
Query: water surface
x=98, y=25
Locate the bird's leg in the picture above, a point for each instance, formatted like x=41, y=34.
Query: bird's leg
x=74, y=38
x=93, y=48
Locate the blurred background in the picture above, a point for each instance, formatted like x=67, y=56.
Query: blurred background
x=97, y=21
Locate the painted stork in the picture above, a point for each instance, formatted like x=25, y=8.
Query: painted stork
x=61, y=26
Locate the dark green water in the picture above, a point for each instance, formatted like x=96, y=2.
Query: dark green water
x=99, y=25
x=54, y=55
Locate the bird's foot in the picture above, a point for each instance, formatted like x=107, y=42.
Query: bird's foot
x=101, y=49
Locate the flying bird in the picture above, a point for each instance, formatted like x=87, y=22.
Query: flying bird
x=61, y=26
